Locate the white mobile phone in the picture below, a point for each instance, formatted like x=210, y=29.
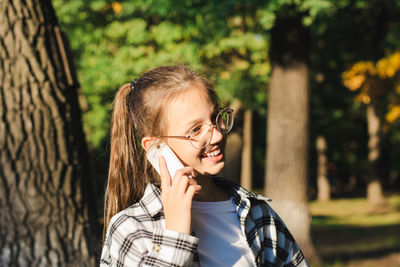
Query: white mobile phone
x=173, y=163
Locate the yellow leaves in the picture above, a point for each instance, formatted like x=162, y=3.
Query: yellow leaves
x=357, y=75
x=364, y=67
x=376, y=80
x=393, y=114
x=362, y=72
x=354, y=82
x=385, y=68
x=116, y=7
x=364, y=98
x=389, y=66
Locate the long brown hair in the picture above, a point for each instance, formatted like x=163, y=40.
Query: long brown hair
x=138, y=113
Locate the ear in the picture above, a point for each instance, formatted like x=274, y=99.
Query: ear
x=148, y=141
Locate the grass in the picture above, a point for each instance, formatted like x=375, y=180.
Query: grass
x=350, y=232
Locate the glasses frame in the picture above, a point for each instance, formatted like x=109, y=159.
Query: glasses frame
x=211, y=126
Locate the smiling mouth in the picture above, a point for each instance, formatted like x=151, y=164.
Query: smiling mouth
x=213, y=153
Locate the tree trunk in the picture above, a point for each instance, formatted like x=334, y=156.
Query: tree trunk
x=352, y=184
x=287, y=129
x=374, y=187
x=44, y=174
x=324, y=190
x=246, y=171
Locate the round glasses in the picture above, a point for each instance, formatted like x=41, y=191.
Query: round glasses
x=201, y=134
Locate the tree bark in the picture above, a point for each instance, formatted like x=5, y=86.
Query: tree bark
x=374, y=187
x=287, y=129
x=44, y=173
x=324, y=190
x=246, y=170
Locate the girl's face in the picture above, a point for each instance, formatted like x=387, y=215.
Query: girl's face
x=183, y=113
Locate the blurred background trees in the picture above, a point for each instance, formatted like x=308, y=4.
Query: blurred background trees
x=324, y=74
x=233, y=44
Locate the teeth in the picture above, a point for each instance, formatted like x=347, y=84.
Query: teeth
x=214, y=153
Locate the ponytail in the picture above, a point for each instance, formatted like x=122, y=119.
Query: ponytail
x=126, y=175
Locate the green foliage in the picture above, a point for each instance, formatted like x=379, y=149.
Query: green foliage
x=115, y=42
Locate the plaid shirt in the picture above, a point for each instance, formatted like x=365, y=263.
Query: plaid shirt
x=137, y=235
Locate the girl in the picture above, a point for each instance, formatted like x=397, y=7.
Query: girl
x=192, y=218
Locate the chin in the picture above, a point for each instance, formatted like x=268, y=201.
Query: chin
x=214, y=170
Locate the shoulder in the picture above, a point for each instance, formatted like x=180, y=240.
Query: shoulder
x=268, y=232
x=122, y=226
x=142, y=214
x=131, y=223
x=278, y=245
x=128, y=219
x=133, y=226
x=265, y=231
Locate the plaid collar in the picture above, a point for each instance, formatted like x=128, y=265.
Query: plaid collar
x=151, y=201
x=241, y=197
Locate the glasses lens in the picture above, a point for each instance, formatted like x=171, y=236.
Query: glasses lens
x=224, y=120
x=200, y=135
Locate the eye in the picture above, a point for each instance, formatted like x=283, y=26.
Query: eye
x=195, y=130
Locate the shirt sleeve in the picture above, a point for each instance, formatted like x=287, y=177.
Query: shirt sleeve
x=287, y=245
x=271, y=239
x=127, y=244
x=296, y=257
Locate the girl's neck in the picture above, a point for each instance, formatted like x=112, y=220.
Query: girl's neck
x=209, y=191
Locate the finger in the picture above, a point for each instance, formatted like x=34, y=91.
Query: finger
x=185, y=171
x=192, y=181
x=191, y=191
x=194, y=173
x=182, y=185
x=185, y=180
x=164, y=174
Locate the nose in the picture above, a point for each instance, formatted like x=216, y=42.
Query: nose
x=216, y=135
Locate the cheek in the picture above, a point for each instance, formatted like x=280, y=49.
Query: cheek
x=184, y=150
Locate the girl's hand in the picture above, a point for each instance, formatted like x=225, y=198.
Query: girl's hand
x=177, y=196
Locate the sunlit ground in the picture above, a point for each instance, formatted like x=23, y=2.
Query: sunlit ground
x=349, y=232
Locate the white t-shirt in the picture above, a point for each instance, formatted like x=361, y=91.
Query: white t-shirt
x=222, y=243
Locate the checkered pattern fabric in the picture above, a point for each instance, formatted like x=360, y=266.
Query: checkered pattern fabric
x=137, y=236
